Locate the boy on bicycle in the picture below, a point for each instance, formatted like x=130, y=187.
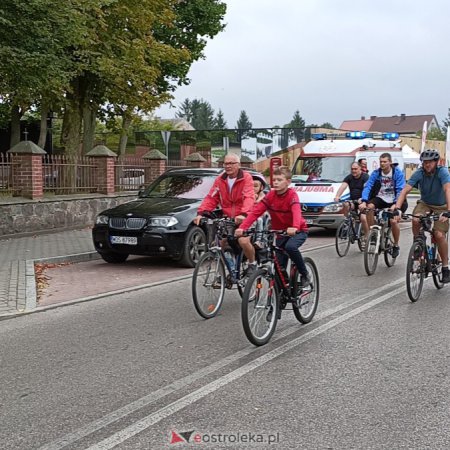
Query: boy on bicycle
x=433, y=182
x=283, y=205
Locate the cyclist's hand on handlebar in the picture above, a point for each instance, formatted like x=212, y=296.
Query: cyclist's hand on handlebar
x=336, y=199
x=238, y=232
x=362, y=206
x=197, y=220
x=291, y=231
x=239, y=219
x=444, y=216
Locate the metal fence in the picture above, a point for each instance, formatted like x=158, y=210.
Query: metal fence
x=129, y=173
x=6, y=174
x=68, y=175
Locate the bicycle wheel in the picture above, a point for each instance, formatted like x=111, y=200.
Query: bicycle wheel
x=415, y=270
x=388, y=244
x=260, y=305
x=437, y=270
x=371, y=252
x=208, y=285
x=307, y=299
x=343, y=238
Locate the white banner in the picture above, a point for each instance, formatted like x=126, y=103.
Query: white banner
x=424, y=136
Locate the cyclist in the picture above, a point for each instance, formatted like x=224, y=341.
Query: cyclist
x=382, y=191
x=363, y=164
x=355, y=181
x=233, y=192
x=283, y=205
x=258, y=186
x=433, y=182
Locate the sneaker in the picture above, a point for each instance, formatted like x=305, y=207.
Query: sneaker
x=395, y=251
x=445, y=275
x=251, y=269
x=305, y=281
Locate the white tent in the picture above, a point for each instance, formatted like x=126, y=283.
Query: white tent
x=410, y=156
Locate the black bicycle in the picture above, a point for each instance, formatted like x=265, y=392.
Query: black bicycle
x=270, y=289
x=379, y=241
x=349, y=232
x=423, y=258
x=219, y=268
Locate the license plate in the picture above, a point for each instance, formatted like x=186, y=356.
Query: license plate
x=309, y=221
x=128, y=240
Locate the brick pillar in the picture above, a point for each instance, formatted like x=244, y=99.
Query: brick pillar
x=105, y=160
x=156, y=165
x=196, y=160
x=27, y=170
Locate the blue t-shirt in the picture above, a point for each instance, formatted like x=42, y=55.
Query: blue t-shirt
x=431, y=186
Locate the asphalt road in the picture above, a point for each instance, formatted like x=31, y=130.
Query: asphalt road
x=137, y=370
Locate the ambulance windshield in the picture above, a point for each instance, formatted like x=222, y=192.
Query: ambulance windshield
x=318, y=169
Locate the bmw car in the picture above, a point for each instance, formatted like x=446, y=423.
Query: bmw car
x=159, y=221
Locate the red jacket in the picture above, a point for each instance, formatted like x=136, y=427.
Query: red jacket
x=284, y=211
x=238, y=201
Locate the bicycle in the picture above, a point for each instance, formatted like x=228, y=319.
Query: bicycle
x=349, y=232
x=270, y=289
x=379, y=241
x=423, y=258
x=217, y=268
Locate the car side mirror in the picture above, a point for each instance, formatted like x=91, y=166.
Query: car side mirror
x=141, y=191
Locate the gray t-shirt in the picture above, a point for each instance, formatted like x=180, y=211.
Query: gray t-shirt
x=431, y=186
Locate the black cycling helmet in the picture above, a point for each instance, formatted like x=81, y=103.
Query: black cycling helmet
x=430, y=155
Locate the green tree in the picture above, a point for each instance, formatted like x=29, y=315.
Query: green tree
x=199, y=113
x=446, y=122
x=220, y=122
x=243, y=125
x=35, y=67
x=436, y=134
x=327, y=125
x=297, y=123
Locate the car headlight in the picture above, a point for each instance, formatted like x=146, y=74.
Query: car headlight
x=162, y=221
x=102, y=220
x=333, y=207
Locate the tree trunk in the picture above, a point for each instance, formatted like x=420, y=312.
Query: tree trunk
x=126, y=122
x=71, y=132
x=89, y=123
x=43, y=127
x=15, y=126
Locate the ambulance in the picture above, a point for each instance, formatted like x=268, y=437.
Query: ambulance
x=325, y=161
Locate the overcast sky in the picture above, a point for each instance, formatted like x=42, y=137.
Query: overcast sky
x=331, y=59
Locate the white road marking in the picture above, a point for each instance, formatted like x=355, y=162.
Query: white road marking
x=147, y=400
x=152, y=419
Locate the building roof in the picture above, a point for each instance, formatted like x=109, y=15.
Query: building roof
x=356, y=125
x=401, y=124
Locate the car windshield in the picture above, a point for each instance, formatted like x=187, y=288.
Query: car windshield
x=328, y=169
x=181, y=186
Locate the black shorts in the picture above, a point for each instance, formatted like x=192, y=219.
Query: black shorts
x=381, y=204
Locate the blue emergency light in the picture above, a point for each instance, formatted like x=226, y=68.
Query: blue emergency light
x=390, y=136
x=356, y=134
x=319, y=136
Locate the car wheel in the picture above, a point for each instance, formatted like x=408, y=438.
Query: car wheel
x=113, y=257
x=194, y=247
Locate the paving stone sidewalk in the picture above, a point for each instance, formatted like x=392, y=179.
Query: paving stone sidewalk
x=17, y=270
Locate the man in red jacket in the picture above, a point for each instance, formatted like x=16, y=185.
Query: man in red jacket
x=233, y=192
x=283, y=205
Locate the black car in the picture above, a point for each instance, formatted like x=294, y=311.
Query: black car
x=159, y=222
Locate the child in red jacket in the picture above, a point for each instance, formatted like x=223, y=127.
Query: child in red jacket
x=283, y=205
